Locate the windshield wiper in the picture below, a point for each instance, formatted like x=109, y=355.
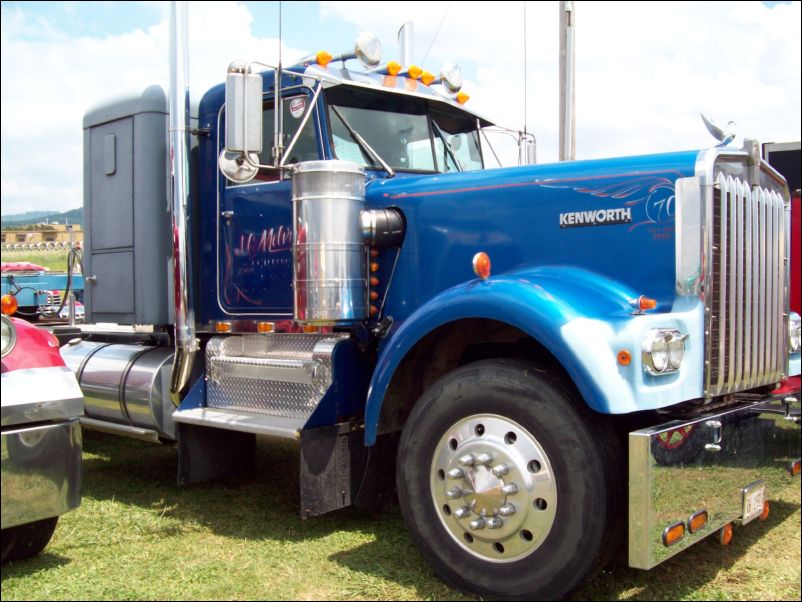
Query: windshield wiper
x=447, y=146
x=364, y=144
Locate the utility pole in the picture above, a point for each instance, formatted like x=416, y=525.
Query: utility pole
x=567, y=64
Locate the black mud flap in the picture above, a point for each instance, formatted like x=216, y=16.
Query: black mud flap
x=207, y=454
x=337, y=470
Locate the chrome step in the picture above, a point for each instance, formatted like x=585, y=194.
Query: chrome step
x=259, y=424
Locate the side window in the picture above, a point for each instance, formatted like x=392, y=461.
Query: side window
x=306, y=147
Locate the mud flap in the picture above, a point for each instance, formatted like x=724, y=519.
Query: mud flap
x=337, y=470
x=207, y=454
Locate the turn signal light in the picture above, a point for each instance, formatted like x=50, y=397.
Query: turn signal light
x=222, y=327
x=462, y=98
x=725, y=534
x=698, y=521
x=265, y=327
x=393, y=68
x=624, y=357
x=481, y=265
x=8, y=304
x=323, y=58
x=673, y=533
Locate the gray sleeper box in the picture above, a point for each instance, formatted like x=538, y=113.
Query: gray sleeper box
x=126, y=204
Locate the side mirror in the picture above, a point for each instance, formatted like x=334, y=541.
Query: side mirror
x=243, y=109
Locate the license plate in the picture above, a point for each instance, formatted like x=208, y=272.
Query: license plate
x=753, y=496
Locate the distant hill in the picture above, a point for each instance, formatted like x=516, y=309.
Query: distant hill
x=74, y=216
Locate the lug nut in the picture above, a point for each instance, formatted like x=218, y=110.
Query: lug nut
x=506, y=510
x=494, y=523
x=456, y=473
x=484, y=458
x=462, y=512
x=477, y=523
x=455, y=493
x=467, y=460
x=509, y=489
x=501, y=469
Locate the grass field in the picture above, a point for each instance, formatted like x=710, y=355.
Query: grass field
x=139, y=536
x=56, y=261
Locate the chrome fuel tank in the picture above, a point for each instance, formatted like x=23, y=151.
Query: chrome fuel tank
x=124, y=384
x=330, y=277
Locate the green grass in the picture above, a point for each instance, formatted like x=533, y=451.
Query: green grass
x=56, y=261
x=139, y=536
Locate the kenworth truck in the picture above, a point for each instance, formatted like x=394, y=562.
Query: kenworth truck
x=546, y=362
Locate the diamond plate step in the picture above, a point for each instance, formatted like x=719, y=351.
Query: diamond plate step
x=277, y=375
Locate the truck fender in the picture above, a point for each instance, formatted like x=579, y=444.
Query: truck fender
x=581, y=318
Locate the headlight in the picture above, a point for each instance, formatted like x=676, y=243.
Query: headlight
x=9, y=335
x=662, y=351
x=794, y=332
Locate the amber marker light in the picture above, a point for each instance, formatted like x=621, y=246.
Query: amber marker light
x=462, y=98
x=8, y=304
x=265, y=327
x=624, y=357
x=374, y=296
x=393, y=68
x=374, y=267
x=673, y=533
x=374, y=282
x=414, y=72
x=481, y=265
x=725, y=534
x=698, y=521
x=644, y=303
x=222, y=327
x=311, y=328
x=323, y=58
x=765, y=514
x=427, y=78
x=795, y=467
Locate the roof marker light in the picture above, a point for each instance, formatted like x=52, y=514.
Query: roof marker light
x=414, y=72
x=462, y=98
x=323, y=58
x=394, y=68
x=427, y=78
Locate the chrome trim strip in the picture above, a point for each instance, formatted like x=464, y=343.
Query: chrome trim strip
x=121, y=430
x=274, y=426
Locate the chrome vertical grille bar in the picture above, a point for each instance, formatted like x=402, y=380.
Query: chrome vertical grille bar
x=748, y=307
x=778, y=338
x=764, y=300
x=740, y=270
x=721, y=310
x=735, y=236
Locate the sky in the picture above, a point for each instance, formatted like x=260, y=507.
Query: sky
x=644, y=70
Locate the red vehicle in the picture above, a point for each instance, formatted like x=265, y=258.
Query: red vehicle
x=41, y=438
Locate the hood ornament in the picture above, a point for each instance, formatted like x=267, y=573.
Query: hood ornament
x=723, y=136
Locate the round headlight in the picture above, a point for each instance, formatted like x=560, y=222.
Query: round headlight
x=659, y=353
x=662, y=351
x=9, y=335
x=794, y=332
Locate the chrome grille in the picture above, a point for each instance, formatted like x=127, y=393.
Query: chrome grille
x=747, y=289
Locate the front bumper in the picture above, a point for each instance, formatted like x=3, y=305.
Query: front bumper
x=680, y=468
x=40, y=468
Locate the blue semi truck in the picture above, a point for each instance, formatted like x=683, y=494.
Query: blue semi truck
x=530, y=356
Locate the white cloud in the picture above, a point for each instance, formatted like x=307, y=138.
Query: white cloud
x=644, y=72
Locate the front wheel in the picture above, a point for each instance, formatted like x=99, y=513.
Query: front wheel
x=25, y=541
x=508, y=485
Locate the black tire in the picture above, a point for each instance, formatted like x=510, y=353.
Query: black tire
x=583, y=484
x=24, y=541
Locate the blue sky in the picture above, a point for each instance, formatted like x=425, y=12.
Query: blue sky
x=644, y=70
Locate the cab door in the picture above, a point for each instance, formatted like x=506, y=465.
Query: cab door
x=254, y=271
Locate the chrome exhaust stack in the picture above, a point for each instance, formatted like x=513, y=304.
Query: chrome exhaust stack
x=186, y=345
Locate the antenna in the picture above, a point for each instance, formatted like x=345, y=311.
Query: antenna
x=525, y=86
x=434, y=37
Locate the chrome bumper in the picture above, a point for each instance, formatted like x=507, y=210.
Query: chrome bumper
x=41, y=471
x=680, y=468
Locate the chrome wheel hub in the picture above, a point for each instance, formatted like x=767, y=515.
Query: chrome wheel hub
x=493, y=488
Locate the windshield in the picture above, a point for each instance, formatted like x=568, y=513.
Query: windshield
x=404, y=131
